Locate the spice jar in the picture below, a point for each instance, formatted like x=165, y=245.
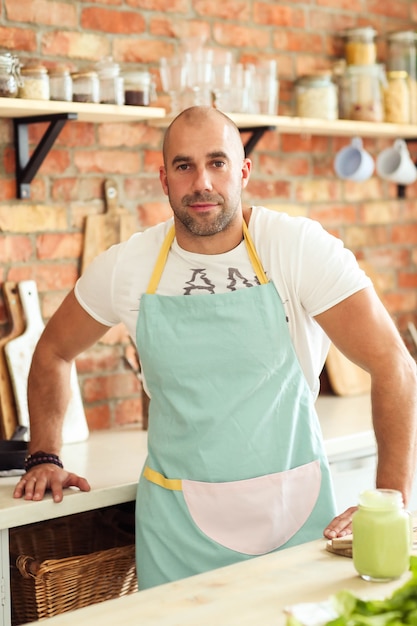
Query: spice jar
x=138, y=88
x=397, y=98
x=34, y=82
x=316, y=96
x=111, y=83
x=382, y=535
x=360, y=47
x=9, y=75
x=85, y=87
x=60, y=84
x=365, y=84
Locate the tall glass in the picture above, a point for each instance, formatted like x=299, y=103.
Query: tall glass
x=174, y=80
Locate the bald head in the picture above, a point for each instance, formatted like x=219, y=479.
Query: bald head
x=198, y=116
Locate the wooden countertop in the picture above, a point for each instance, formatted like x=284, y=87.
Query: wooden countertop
x=249, y=593
x=112, y=461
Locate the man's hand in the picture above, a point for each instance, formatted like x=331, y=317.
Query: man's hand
x=340, y=525
x=48, y=476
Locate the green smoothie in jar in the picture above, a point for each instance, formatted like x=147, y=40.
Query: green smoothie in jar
x=382, y=535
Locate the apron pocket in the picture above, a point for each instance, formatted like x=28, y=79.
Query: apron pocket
x=257, y=515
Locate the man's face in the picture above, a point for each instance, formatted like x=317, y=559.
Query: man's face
x=204, y=174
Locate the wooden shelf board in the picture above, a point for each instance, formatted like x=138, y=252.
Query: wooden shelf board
x=96, y=113
x=308, y=126
x=15, y=107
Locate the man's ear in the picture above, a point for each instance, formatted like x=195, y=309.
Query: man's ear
x=246, y=170
x=163, y=179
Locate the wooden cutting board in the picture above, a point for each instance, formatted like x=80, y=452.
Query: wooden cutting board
x=346, y=378
x=19, y=352
x=8, y=410
x=103, y=231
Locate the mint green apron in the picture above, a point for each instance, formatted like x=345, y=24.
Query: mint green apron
x=236, y=466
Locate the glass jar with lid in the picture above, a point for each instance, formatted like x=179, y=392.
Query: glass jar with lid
x=360, y=46
x=111, y=83
x=9, y=75
x=401, y=51
x=85, y=87
x=60, y=84
x=397, y=98
x=34, y=82
x=365, y=85
x=138, y=88
x=382, y=535
x=316, y=96
x=402, y=56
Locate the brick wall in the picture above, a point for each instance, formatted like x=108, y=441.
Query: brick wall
x=42, y=238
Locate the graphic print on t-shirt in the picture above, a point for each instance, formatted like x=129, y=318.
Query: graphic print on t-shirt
x=201, y=282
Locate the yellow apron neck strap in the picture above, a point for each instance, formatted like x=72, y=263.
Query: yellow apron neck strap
x=160, y=261
x=253, y=255
x=165, y=248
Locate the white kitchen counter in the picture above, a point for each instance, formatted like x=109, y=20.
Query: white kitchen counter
x=110, y=460
x=346, y=423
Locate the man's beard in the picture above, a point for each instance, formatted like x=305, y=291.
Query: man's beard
x=202, y=224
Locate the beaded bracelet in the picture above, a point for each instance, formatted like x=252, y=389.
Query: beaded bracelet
x=40, y=457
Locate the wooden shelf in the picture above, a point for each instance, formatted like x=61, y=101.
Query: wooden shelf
x=86, y=112
x=308, y=126
x=97, y=113
x=25, y=112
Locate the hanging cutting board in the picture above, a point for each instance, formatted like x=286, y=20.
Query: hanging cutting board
x=345, y=377
x=103, y=231
x=19, y=354
x=8, y=410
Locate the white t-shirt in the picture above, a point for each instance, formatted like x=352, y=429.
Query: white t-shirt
x=311, y=270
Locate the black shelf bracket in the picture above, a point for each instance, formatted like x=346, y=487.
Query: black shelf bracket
x=257, y=134
x=27, y=165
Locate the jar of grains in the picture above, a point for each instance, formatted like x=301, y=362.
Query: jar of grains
x=365, y=84
x=360, y=46
x=9, y=75
x=316, y=96
x=85, y=87
x=60, y=84
x=34, y=82
x=397, y=98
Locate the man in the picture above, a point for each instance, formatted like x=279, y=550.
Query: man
x=236, y=465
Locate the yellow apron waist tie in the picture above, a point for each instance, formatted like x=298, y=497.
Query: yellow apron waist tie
x=174, y=484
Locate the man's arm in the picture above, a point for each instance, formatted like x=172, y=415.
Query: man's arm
x=68, y=333
x=362, y=329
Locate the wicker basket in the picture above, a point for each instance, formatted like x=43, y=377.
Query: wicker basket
x=71, y=562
